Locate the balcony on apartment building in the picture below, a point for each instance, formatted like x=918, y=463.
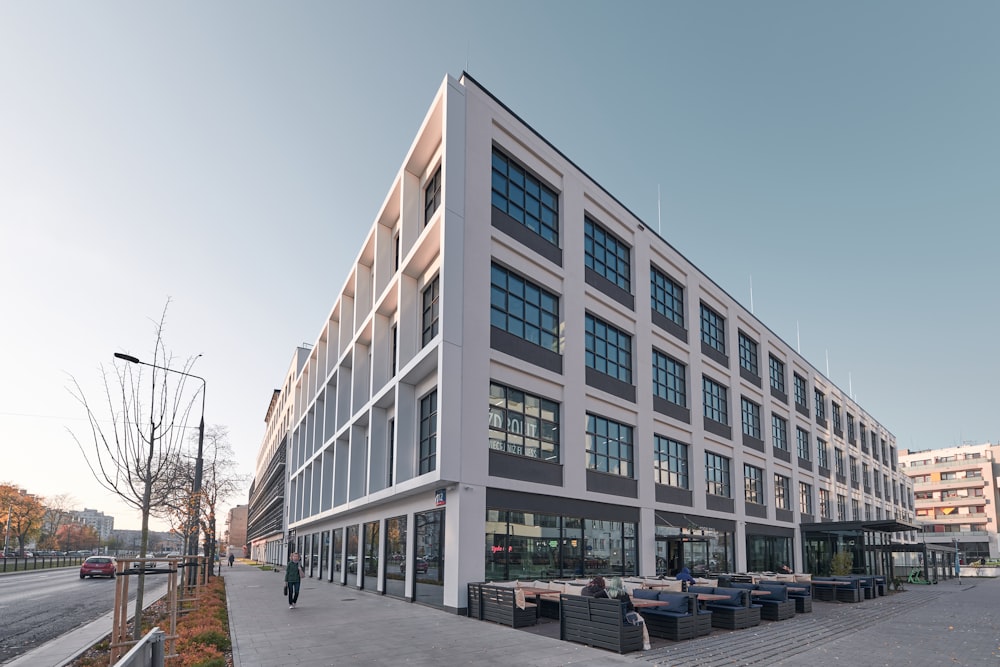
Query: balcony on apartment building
x=973, y=518
x=963, y=483
x=955, y=501
x=969, y=464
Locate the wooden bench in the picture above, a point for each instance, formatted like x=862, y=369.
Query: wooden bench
x=597, y=622
x=499, y=605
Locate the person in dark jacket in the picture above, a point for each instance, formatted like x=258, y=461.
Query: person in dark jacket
x=595, y=589
x=685, y=575
x=293, y=579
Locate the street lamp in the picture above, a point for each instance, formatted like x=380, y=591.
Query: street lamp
x=196, y=489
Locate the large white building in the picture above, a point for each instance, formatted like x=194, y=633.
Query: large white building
x=520, y=379
x=955, y=490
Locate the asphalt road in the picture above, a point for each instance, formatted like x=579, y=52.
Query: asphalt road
x=36, y=607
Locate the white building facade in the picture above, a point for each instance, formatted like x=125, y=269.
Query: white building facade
x=519, y=379
x=955, y=492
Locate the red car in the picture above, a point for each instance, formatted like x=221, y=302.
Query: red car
x=98, y=566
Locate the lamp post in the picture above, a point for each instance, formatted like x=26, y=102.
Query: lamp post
x=196, y=488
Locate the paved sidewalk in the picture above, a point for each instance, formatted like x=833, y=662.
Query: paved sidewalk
x=925, y=626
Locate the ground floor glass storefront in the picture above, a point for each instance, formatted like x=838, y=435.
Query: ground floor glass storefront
x=531, y=545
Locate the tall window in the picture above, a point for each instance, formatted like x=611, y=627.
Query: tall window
x=779, y=432
x=800, y=391
x=777, y=370
x=866, y=477
x=748, y=354
x=390, y=447
x=850, y=427
x=782, y=492
x=523, y=424
x=609, y=446
x=667, y=296
x=854, y=471
x=671, y=462
x=431, y=295
x=717, y=475
x=428, y=432
x=713, y=329
x=838, y=461
x=835, y=414
x=824, y=504
x=607, y=255
x=805, y=498
x=609, y=349
x=524, y=309
x=753, y=480
x=751, y=417
x=820, y=404
x=525, y=198
x=716, y=400
x=432, y=195
x=394, y=349
x=855, y=510
x=669, y=379
x=802, y=439
x=822, y=453
x=841, y=507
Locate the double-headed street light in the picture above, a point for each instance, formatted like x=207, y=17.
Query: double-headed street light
x=196, y=489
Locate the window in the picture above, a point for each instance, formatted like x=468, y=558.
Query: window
x=525, y=198
x=671, y=464
x=855, y=510
x=523, y=424
x=669, y=379
x=782, y=492
x=854, y=470
x=607, y=255
x=748, y=354
x=428, y=432
x=751, y=417
x=397, y=251
x=715, y=397
x=394, y=349
x=431, y=295
x=868, y=511
x=391, y=450
x=524, y=309
x=609, y=349
x=432, y=195
x=666, y=296
x=777, y=374
x=822, y=453
x=824, y=504
x=713, y=329
x=800, y=391
x=864, y=438
x=838, y=461
x=865, y=478
x=851, y=431
x=878, y=486
x=805, y=498
x=609, y=446
x=820, y=404
x=835, y=413
x=841, y=507
x=717, y=474
x=753, y=479
x=802, y=438
x=779, y=433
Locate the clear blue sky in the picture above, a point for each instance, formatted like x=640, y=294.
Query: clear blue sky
x=232, y=156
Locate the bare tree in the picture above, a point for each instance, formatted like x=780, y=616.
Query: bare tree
x=221, y=482
x=57, y=513
x=136, y=457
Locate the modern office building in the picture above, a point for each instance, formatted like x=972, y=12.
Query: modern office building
x=520, y=379
x=955, y=491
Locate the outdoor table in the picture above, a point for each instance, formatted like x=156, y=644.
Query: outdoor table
x=756, y=593
x=639, y=604
x=711, y=597
x=665, y=584
x=797, y=589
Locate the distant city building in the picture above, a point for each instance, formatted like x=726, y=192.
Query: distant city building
x=236, y=529
x=100, y=522
x=955, y=492
x=520, y=379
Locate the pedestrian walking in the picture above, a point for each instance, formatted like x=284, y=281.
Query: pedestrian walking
x=293, y=579
x=232, y=557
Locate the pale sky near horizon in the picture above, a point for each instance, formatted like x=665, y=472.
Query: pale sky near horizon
x=843, y=158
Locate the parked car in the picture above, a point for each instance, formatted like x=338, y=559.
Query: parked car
x=420, y=565
x=98, y=566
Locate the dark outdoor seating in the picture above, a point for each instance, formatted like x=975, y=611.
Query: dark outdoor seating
x=680, y=619
x=734, y=613
x=776, y=605
x=499, y=604
x=598, y=622
x=841, y=593
x=801, y=598
x=475, y=604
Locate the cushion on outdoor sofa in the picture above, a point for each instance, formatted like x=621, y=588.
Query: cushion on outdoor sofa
x=677, y=603
x=645, y=594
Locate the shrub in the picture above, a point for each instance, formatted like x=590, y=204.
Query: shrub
x=842, y=563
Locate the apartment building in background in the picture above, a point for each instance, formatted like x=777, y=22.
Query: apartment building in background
x=99, y=521
x=955, y=493
x=520, y=379
x=235, y=539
